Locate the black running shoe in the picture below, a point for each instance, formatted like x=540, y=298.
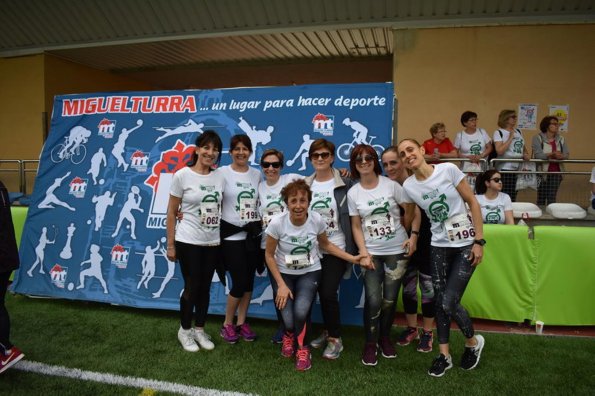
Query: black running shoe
x=440, y=365
x=471, y=355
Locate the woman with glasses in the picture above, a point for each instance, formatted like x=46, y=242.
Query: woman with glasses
x=294, y=241
x=509, y=143
x=473, y=143
x=418, y=268
x=439, y=146
x=240, y=234
x=377, y=231
x=456, y=247
x=496, y=206
x=271, y=204
x=195, y=199
x=329, y=199
x=549, y=145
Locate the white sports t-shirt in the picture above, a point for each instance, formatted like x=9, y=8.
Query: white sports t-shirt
x=378, y=209
x=270, y=202
x=297, y=246
x=472, y=144
x=240, y=199
x=323, y=202
x=201, y=206
x=438, y=196
x=515, y=150
x=492, y=211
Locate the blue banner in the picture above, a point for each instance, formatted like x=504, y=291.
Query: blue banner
x=96, y=225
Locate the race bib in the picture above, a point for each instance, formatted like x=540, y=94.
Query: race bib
x=268, y=214
x=379, y=225
x=459, y=228
x=248, y=210
x=329, y=218
x=298, y=261
x=209, y=214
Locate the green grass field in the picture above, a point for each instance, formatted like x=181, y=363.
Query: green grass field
x=143, y=343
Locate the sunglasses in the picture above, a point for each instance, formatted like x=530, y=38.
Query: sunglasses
x=496, y=179
x=315, y=156
x=361, y=158
x=266, y=164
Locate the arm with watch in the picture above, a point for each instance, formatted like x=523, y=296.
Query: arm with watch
x=467, y=195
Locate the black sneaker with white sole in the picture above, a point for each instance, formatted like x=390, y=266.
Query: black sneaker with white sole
x=440, y=365
x=471, y=356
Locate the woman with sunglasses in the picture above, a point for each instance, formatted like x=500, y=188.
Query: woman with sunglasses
x=377, y=231
x=294, y=241
x=456, y=247
x=418, y=269
x=271, y=204
x=496, y=206
x=329, y=199
x=509, y=143
x=240, y=234
x=195, y=199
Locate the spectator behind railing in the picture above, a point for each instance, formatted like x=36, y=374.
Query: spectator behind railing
x=549, y=144
x=509, y=143
x=473, y=143
x=439, y=146
x=496, y=206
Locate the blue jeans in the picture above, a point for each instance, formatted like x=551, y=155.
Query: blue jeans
x=382, y=288
x=297, y=310
x=451, y=272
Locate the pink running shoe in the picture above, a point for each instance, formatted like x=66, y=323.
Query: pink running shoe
x=246, y=332
x=288, y=349
x=228, y=332
x=303, y=359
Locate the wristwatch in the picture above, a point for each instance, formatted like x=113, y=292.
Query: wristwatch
x=480, y=242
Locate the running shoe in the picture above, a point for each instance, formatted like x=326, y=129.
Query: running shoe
x=387, y=348
x=228, y=332
x=288, y=347
x=320, y=341
x=246, y=332
x=333, y=349
x=408, y=335
x=471, y=355
x=425, y=342
x=303, y=359
x=10, y=358
x=277, y=338
x=440, y=365
x=187, y=340
x=370, y=355
x=203, y=339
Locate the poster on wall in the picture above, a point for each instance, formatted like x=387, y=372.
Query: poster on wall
x=95, y=229
x=527, y=118
x=563, y=113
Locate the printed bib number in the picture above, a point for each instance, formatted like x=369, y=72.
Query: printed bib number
x=298, y=261
x=379, y=225
x=248, y=210
x=459, y=228
x=329, y=218
x=268, y=215
x=209, y=214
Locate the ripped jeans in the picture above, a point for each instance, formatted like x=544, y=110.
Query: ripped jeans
x=451, y=272
x=381, y=286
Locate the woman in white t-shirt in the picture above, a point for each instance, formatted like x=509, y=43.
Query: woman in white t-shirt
x=271, y=204
x=456, y=247
x=496, y=206
x=472, y=143
x=377, y=232
x=240, y=234
x=509, y=143
x=196, y=193
x=293, y=249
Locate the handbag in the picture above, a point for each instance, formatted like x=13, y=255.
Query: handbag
x=527, y=178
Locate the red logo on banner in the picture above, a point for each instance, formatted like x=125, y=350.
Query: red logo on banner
x=171, y=161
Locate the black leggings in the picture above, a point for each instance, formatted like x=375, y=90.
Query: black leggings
x=451, y=272
x=4, y=318
x=333, y=269
x=198, y=265
x=416, y=272
x=241, y=268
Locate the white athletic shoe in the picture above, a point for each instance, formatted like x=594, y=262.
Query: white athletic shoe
x=187, y=340
x=203, y=339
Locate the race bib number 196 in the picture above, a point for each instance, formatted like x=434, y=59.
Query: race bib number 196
x=459, y=228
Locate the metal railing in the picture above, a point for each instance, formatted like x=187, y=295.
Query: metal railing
x=21, y=168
